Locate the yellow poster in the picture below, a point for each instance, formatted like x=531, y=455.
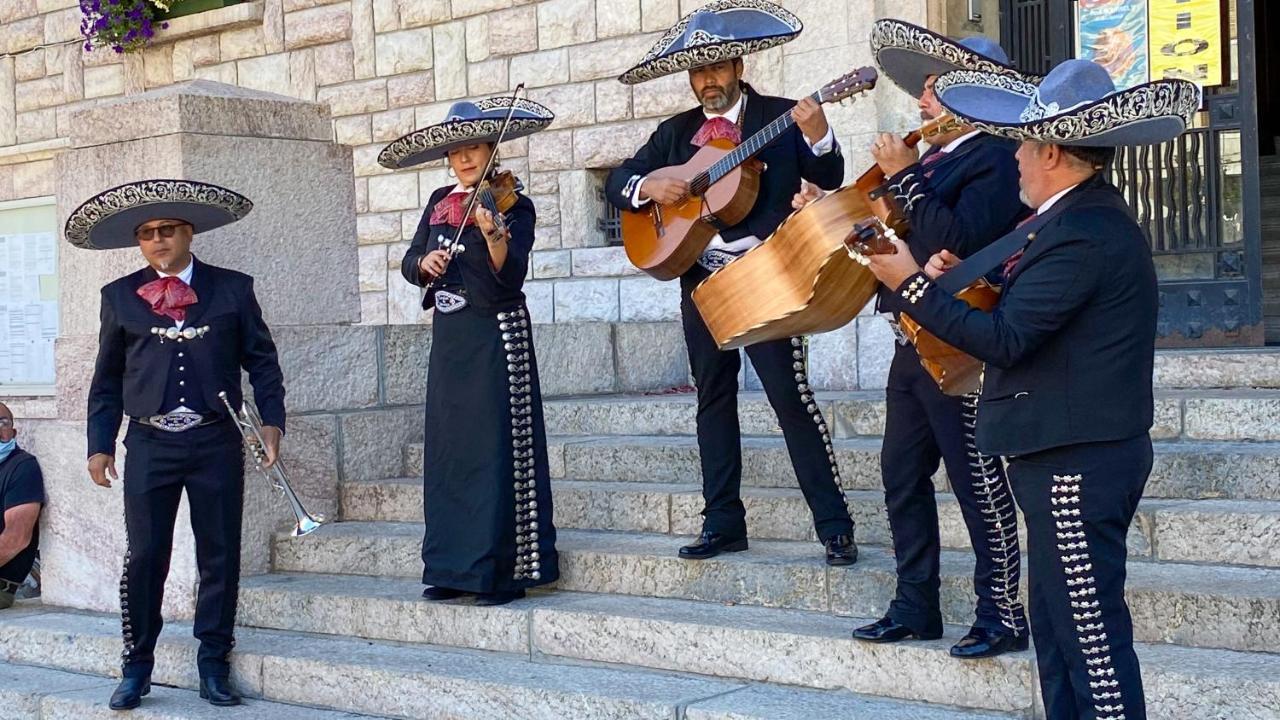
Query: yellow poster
x=1186, y=40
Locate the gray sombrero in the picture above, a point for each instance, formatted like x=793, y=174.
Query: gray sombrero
x=1076, y=104
x=719, y=31
x=466, y=123
x=107, y=220
x=909, y=54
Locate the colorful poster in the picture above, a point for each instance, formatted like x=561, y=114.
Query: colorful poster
x=1113, y=33
x=1186, y=41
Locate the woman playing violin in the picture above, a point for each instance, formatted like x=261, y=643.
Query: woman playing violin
x=487, y=492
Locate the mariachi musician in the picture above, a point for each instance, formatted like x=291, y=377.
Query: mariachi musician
x=174, y=335
x=486, y=483
x=1069, y=352
x=958, y=196
x=709, y=44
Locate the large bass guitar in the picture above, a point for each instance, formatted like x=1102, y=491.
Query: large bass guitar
x=802, y=279
x=666, y=240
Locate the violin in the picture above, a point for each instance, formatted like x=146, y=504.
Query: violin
x=497, y=195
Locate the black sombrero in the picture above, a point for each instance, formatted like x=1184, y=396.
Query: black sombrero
x=909, y=54
x=107, y=220
x=466, y=123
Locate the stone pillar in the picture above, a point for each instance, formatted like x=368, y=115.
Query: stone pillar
x=300, y=245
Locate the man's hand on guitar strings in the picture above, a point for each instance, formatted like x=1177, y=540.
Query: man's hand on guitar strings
x=893, y=269
x=940, y=263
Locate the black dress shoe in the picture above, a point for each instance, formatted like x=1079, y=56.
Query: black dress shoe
x=982, y=643
x=218, y=691
x=498, y=598
x=129, y=692
x=888, y=630
x=711, y=544
x=435, y=592
x=841, y=550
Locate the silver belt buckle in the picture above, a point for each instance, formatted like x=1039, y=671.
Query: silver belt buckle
x=714, y=259
x=175, y=422
x=447, y=302
x=898, y=334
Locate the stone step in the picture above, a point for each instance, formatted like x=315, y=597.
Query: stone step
x=1195, y=605
x=1231, y=532
x=1191, y=470
x=37, y=693
x=1211, y=414
x=742, y=643
x=403, y=681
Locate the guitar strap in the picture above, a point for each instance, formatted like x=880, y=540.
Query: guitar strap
x=990, y=257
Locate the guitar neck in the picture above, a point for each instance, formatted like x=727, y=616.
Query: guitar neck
x=752, y=145
x=874, y=176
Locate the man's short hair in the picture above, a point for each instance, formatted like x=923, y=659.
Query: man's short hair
x=1098, y=158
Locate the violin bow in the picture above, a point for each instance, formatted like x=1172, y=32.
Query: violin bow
x=488, y=168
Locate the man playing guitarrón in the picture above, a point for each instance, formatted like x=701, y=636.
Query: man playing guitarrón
x=959, y=196
x=1069, y=353
x=709, y=44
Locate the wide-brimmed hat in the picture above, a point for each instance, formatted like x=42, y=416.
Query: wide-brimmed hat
x=719, y=31
x=909, y=54
x=466, y=123
x=107, y=221
x=1076, y=104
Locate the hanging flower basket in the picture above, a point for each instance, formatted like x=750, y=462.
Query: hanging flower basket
x=122, y=25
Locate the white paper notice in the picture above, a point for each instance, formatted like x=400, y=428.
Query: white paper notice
x=28, y=308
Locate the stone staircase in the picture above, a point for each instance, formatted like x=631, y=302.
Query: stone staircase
x=634, y=632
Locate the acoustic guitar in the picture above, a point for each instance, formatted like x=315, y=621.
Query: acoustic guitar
x=955, y=372
x=666, y=240
x=803, y=280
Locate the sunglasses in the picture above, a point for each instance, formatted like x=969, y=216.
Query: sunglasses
x=166, y=231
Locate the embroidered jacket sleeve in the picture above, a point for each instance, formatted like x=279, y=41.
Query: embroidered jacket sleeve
x=421, y=244
x=258, y=357
x=520, y=221
x=987, y=205
x=106, y=392
x=624, y=180
x=1049, y=289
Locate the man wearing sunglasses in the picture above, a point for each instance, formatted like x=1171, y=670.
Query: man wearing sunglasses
x=174, y=335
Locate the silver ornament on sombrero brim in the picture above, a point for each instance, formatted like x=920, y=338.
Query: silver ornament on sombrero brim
x=107, y=220
x=435, y=141
x=680, y=49
x=1006, y=106
x=908, y=54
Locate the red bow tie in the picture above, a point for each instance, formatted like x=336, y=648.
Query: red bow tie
x=169, y=296
x=450, y=209
x=716, y=128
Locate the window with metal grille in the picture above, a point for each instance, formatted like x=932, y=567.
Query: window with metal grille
x=610, y=221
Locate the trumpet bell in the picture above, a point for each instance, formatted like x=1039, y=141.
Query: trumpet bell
x=306, y=525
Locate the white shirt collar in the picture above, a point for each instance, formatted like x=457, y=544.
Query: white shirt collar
x=951, y=146
x=1044, y=206
x=457, y=188
x=732, y=113
x=185, y=275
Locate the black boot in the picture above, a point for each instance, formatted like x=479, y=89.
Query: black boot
x=841, y=550
x=129, y=692
x=437, y=593
x=711, y=544
x=218, y=691
x=498, y=598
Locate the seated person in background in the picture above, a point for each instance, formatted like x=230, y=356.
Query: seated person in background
x=22, y=494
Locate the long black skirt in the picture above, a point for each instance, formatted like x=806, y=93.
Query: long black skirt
x=487, y=487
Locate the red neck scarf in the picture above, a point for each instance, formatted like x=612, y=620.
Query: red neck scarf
x=169, y=296
x=716, y=128
x=450, y=209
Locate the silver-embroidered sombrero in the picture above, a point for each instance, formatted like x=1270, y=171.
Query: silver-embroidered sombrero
x=1076, y=104
x=719, y=31
x=107, y=220
x=909, y=54
x=466, y=123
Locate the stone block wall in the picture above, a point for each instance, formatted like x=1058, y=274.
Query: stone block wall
x=385, y=67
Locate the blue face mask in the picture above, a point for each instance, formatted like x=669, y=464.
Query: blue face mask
x=7, y=447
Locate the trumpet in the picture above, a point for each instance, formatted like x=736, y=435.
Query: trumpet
x=249, y=422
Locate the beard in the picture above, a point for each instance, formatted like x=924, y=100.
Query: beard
x=1022, y=195
x=718, y=102
x=926, y=116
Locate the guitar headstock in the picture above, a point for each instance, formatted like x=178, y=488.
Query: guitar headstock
x=848, y=85
x=938, y=126
x=869, y=237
